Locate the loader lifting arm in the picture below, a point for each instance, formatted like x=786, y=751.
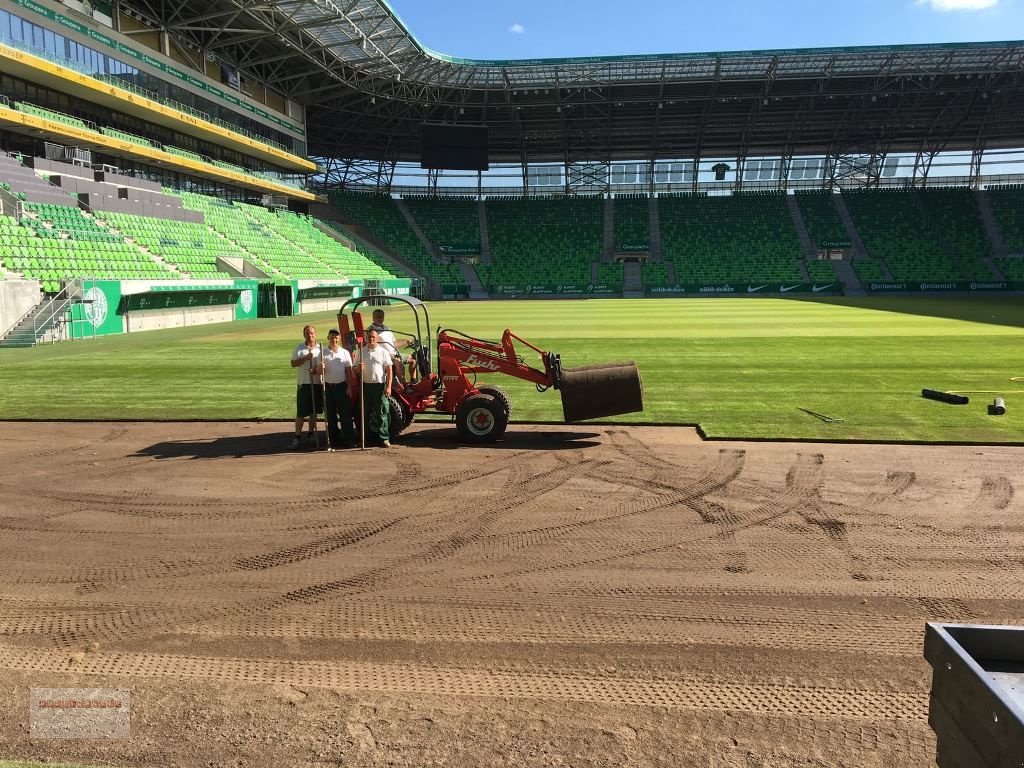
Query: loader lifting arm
x=479, y=356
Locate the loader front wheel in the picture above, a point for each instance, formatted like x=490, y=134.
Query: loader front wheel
x=481, y=418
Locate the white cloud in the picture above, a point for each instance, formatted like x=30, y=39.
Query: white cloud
x=517, y=29
x=958, y=5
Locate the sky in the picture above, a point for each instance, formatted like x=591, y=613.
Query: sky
x=527, y=29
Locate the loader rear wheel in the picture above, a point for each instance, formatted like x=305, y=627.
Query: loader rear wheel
x=481, y=418
x=499, y=394
x=396, y=417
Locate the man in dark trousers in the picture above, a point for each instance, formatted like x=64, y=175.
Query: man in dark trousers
x=308, y=397
x=373, y=367
x=338, y=377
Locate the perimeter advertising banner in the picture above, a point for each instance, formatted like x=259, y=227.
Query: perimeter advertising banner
x=548, y=289
x=897, y=286
x=744, y=289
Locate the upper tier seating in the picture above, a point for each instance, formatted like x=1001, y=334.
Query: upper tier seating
x=379, y=216
x=543, y=241
x=632, y=223
x=1008, y=210
x=732, y=239
x=299, y=230
x=955, y=212
x=821, y=217
x=191, y=248
x=893, y=228
x=448, y=223
x=239, y=223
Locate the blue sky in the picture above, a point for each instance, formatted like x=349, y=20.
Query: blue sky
x=497, y=29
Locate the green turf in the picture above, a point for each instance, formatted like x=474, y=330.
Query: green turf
x=739, y=368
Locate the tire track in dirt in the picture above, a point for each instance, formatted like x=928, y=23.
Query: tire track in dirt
x=802, y=480
x=704, y=693
x=310, y=550
x=163, y=505
x=728, y=466
x=995, y=495
x=519, y=491
x=173, y=619
x=573, y=620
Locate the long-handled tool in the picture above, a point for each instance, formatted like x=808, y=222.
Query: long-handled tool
x=362, y=396
x=312, y=397
x=328, y=416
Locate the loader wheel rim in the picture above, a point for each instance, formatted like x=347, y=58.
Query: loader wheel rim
x=480, y=421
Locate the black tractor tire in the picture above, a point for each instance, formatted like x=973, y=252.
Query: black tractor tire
x=480, y=418
x=396, y=417
x=499, y=394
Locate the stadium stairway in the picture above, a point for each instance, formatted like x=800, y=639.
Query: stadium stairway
x=656, y=253
x=476, y=288
x=485, y=238
x=810, y=252
x=358, y=239
x=39, y=325
x=847, y=275
x=632, y=280
x=417, y=230
x=988, y=222
x=608, y=249
x=859, y=249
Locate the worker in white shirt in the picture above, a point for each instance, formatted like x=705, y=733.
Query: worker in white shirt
x=338, y=379
x=388, y=341
x=374, y=370
x=309, y=399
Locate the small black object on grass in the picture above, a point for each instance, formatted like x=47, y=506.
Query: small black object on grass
x=944, y=397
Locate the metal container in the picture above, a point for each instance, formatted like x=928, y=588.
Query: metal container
x=977, y=699
x=604, y=389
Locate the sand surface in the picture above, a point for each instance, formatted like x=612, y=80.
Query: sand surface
x=574, y=595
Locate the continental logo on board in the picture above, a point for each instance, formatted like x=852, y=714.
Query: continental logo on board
x=990, y=286
x=888, y=286
x=939, y=286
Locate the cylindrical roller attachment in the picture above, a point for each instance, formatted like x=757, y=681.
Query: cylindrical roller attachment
x=603, y=389
x=998, y=406
x=945, y=397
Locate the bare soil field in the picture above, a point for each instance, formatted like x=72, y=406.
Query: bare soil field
x=578, y=596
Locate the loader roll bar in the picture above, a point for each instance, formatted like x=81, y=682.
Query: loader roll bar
x=352, y=305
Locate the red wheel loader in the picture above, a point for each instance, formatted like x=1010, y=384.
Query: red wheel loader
x=482, y=411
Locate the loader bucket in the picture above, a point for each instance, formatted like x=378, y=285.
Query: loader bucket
x=603, y=389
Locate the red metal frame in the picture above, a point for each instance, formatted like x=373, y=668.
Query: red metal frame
x=460, y=359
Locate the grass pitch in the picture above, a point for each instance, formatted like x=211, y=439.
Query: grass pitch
x=739, y=368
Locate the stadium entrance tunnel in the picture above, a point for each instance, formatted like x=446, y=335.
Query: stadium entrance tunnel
x=602, y=389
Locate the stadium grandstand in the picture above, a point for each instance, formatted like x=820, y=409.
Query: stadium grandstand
x=237, y=160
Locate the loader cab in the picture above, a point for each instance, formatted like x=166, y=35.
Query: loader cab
x=354, y=319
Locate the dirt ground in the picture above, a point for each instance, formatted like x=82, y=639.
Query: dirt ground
x=577, y=596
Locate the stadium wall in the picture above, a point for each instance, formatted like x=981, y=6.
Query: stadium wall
x=153, y=320
x=17, y=297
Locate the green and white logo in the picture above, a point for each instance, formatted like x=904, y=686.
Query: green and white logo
x=247, y=301
x=96, y=306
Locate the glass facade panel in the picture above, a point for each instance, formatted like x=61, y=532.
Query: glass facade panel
x=96, y=64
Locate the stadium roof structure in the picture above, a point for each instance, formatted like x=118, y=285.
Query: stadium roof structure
x=368, y=85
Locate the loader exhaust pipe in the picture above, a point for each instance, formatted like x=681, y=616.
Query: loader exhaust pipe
x=602, y=389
